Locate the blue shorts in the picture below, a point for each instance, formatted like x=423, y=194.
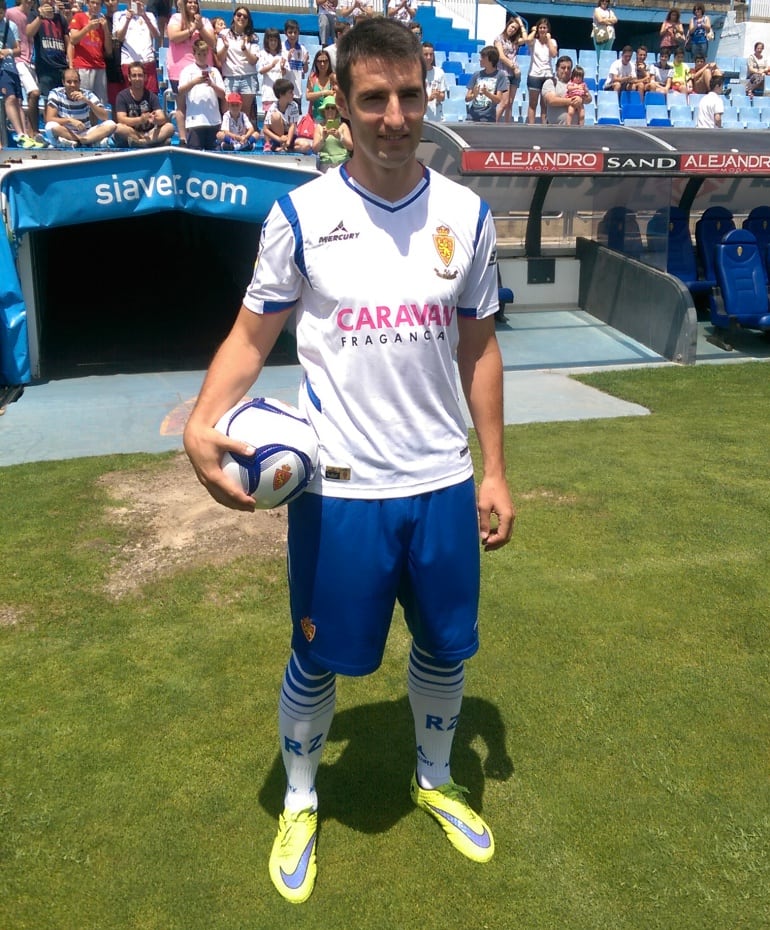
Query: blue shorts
x=350, y=560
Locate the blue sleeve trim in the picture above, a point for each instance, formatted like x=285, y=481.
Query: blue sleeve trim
x=276, y=306
x=483, y=212
x=287, y=208
x=467, y=312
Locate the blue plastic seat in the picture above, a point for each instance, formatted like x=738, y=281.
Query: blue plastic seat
x=668, y=229
x=742, y=298
x=709, y=231
x=619, y=231
x=758, y=223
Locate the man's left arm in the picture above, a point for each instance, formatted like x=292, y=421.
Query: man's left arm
x=481, y=375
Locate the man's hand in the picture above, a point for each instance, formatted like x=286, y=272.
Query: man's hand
x=496, y=513
x=205, y=447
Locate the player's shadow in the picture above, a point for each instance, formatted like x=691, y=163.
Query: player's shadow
x=367, y=786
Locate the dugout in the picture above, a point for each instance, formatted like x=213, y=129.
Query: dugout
x=557, y=194
x=131, y=261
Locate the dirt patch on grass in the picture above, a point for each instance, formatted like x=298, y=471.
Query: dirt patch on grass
x=173, y=522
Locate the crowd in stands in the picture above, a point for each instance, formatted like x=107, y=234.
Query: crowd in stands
x=147, y=75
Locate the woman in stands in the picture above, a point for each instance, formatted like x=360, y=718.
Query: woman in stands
x=507, y=44
x=321, y=82
x=757, y=68
x=672, y=31
x=542, y=48
x=237, y=54
x=184, y=29
x=699, y=32
x=603, y=26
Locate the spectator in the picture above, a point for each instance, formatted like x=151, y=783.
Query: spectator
x=237, y=132
x=10, y=82
x=203, y=89
x=332, y=141
x=75, y=117
x=50, y=32
x=340, y=28
x=139, y=115
x=435, y=84
x=271, y=66
x=712, y=106
x=757, y=68
x=115, y=80
x=661, y=73
x=161, y=10
x=603, y=26
x=137, y=30
x=575, y=92
x=680, y=73
x=699, y=32
x=416, y=29
x=91, y=42
x=644, y=72
x=321, y=82
x=702, y=74
x=487, y=88
x=185, y=28
x=280, y=126
x=358, y=9
x=219, y=25
x=327, y=17
x=402, y=10
x=297, y=58
x=542, y=48
x=237, y=54
x=555, y=98
x=672, y=31
x=507, y=44
x=20, y=15
x=622, y=73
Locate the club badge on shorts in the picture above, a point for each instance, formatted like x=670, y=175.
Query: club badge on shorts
x=308, y=628
x=445, y=246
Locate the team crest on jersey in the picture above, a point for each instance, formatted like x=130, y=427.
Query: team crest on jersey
x=308, y=628
x=445, y=246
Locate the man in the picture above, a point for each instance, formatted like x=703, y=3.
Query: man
x=487, y=88
x=435, y=83
x=391, y=512
x=340, y=28
x=140, y=117
x=50, y=32
x=702, y=74
x=20, y=16
x=661, y=72
x=712, y=106
x=644, y=76
x=76, y=117
x=622, y=73
x=327, y=17
x=137, y=31
x=10, y=82
x=554, y=94
x=91, y=41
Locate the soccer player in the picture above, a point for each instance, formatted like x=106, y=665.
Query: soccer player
x=390, y=271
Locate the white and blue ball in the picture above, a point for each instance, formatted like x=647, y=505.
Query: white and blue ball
x=286, y=454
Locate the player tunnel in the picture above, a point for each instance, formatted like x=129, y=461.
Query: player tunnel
x=128, y=263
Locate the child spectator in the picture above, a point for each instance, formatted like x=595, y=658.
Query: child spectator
x=280, y=128
x=297, y=58
x=237, y=132
x=271, y=65
x=203, y=88
x=576, y=88
x=487, y=88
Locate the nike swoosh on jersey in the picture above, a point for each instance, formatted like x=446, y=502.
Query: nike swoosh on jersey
x=482, y=840
x=294, y=879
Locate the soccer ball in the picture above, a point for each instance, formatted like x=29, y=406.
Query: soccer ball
x=286, y=454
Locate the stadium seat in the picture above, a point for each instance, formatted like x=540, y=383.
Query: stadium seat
x=628, y=97
x=681, y=116
x=758, y=223
x=751, y=118
x=741, y=300
x=657, y=115
x=668, y=230
x=709, y=232
x=619, y=231
x=633, y=111
x=455, y=109
x=654, y=98
x=674, y=99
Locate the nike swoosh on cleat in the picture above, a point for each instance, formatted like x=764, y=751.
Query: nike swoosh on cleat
x=294, y=879
x=482, y=840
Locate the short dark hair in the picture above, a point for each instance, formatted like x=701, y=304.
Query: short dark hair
x=290, y=24
x=379, y=39
x=491, y=54
x=560, y=61
x=281, y=86
x=134, y=64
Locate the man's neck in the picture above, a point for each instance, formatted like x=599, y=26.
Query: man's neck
x=383, y=182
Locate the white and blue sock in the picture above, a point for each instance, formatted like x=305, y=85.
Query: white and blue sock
x=435, y=694
x=305, y=712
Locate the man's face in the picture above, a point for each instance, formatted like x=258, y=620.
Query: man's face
x=564, y=70
x=136, y=79
x=626, y=57
x=95, y=7
x=71, y=83
x=641, y=56
x=386, y=106
x=292, y=34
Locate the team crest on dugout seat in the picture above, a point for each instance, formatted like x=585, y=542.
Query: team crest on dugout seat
x=445, y=246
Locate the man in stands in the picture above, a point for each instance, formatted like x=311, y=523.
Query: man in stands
x=622, y=73
x=50, y=32
x=711, y=108
x=75, y=117
x=137, y=30
x=20, y=16
x=554, y=94
x=139, y=115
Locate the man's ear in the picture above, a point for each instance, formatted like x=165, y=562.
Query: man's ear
x=342, y=104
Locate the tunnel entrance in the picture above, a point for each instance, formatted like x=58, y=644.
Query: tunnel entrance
x=149, y=293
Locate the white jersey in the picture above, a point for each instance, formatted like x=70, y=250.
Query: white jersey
x=377, y=288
